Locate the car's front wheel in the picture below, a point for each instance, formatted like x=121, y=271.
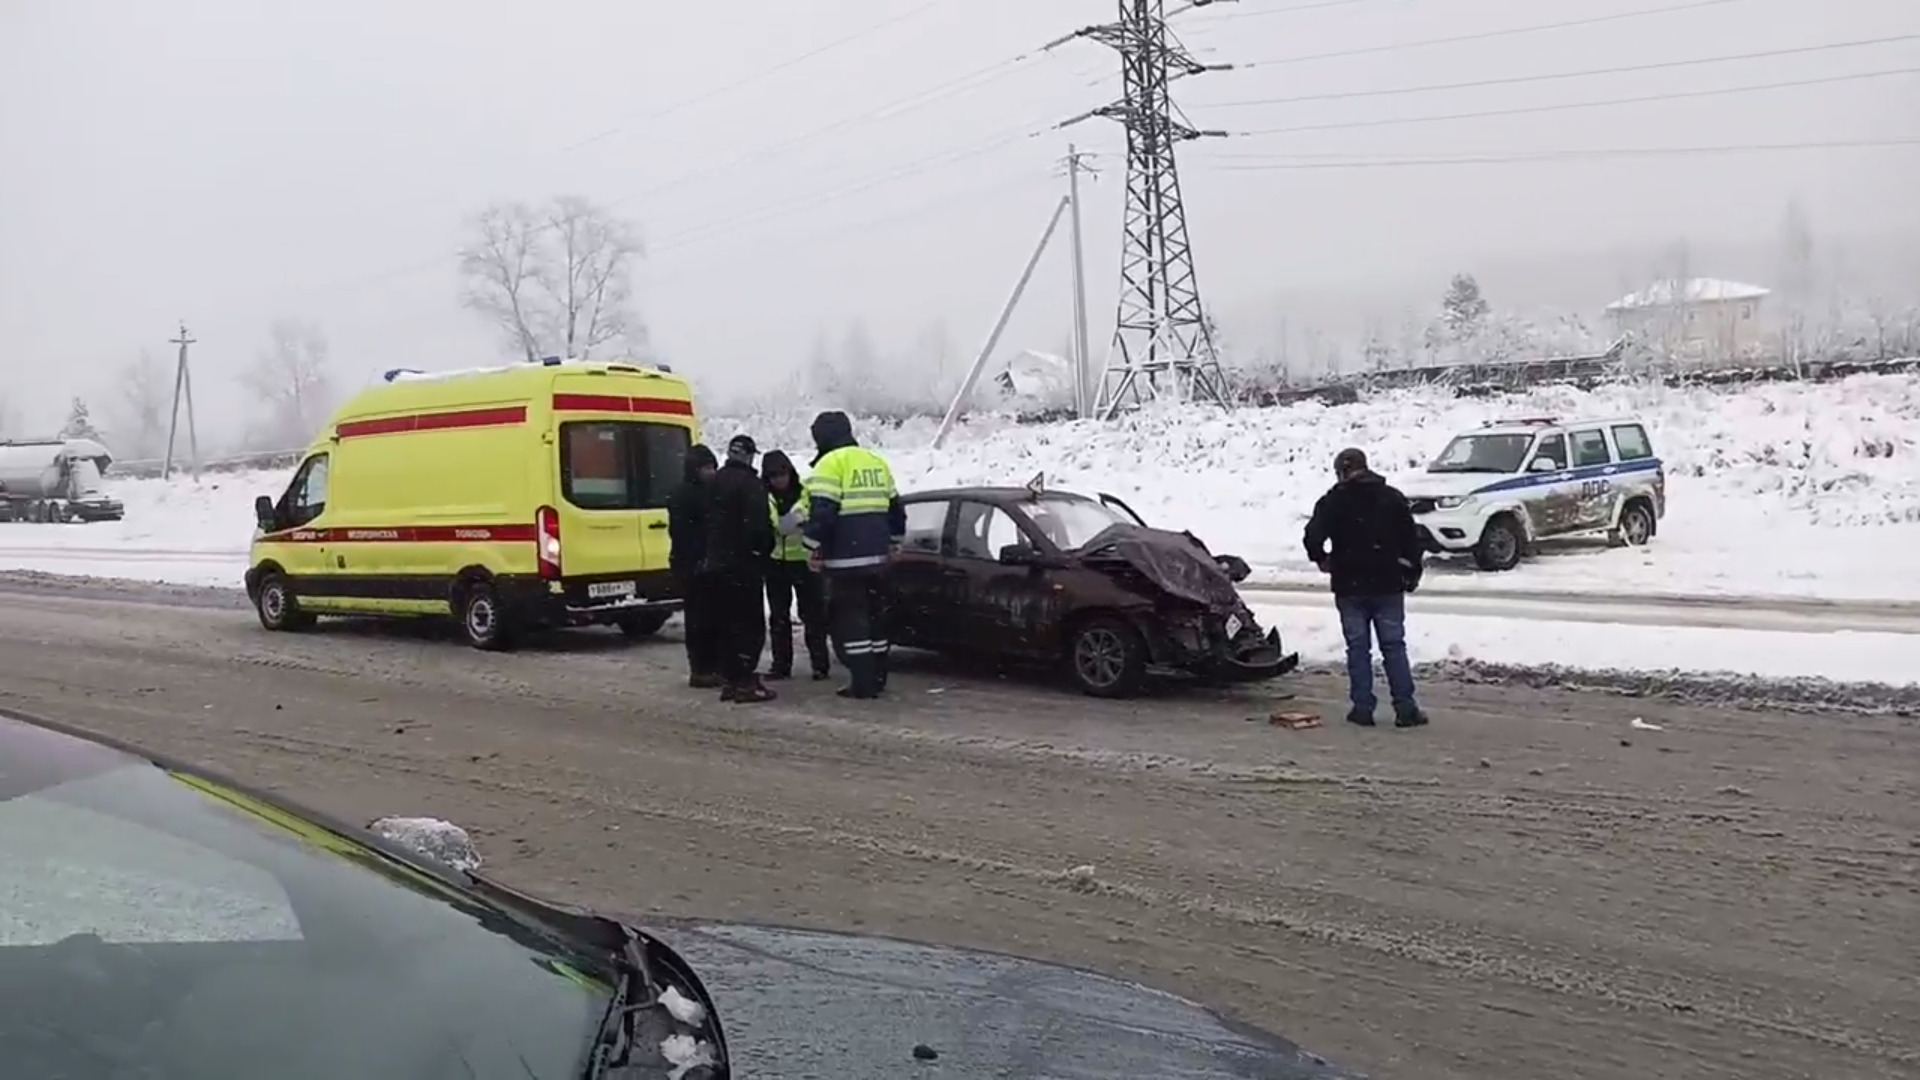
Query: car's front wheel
x=1107, y=658
x=1501, y=543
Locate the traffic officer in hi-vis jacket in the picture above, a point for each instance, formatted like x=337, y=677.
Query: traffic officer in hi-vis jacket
x=790, y=581
x=854, y=526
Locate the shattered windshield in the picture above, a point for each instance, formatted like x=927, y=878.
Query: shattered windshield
x=1072, y=523
x=172, y=927
x=1482, y=454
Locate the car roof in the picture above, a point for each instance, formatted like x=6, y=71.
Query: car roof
x=991, y=494
x=1529, y=427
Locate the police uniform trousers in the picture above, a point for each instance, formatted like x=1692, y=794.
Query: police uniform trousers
x=858, y=608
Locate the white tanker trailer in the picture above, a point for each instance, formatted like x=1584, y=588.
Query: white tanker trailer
x=55, y=480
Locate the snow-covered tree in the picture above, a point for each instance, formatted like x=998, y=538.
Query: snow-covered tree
x=1463, y=310
x=555, y=280
x=79, y=423
x=292, y=379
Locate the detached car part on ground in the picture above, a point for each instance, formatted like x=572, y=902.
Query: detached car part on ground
x=1059, y=579
x=168, y=924
x=1494, y=493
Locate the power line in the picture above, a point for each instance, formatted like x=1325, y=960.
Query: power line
x=1282, y=165
x=1562, y=106
x=1487, y=35
x=838, y=43
x=1515, y=80
x=835, y=193
x=1293, y=9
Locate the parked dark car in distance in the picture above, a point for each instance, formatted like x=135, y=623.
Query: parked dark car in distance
x=1061, y=579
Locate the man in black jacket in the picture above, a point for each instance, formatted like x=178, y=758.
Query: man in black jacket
x=739, y=542
x=1374, y=564
x=687, y=533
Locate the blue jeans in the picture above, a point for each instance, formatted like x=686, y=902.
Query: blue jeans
x=1362, y=618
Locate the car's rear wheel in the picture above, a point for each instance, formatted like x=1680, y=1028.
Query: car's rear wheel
x=1501, y=543
x=483, y=620
x=1107, y=658
x=1636, y=525
x=643, y=624
x=277, y=607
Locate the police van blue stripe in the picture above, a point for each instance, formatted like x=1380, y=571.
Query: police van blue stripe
x=1585, y=472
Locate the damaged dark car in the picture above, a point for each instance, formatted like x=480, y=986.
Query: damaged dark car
x=1055, y=578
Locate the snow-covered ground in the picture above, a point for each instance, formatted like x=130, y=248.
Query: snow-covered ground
x=1776, y=490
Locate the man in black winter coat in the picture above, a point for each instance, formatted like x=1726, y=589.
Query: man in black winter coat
x=1375, y=561
x=687, y=533
x=739, y=542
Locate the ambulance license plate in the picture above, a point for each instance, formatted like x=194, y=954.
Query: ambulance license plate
x=1234, y=626
x=607, y=590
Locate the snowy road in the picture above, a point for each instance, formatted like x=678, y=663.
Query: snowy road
x=1533, y=887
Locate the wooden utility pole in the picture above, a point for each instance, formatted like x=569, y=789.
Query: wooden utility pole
x=182, y=391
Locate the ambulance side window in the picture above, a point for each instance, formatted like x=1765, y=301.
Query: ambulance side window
x=307, y=495
x=620, y=464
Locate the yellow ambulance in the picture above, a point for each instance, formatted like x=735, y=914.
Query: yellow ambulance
x=509, y=499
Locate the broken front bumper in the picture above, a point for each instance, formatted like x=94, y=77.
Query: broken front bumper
x=1203, y=650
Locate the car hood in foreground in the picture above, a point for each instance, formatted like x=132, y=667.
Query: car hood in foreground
x=1173, y=562
x=806, y=1004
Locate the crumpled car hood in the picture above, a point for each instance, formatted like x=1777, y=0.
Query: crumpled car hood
x=1171, y=561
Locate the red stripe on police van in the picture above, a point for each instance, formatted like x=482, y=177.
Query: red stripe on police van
x=414, y=534
x=609, y=403
x=439, y=421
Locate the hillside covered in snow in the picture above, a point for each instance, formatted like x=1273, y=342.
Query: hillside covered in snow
x=1779, y=488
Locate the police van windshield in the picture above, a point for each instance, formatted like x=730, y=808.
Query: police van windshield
x=1482, y=454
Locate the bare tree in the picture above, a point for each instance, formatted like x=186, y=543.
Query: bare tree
x=291, y=378
x=138, y=417
x=555, y=280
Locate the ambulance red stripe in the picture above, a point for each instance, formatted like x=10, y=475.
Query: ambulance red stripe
x=413, y=534
x=609, y=403
x=503, y=416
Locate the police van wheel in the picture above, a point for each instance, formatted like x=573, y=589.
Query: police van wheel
x=1501, y=545
x=644, y=624
x=278, y=608
x=483, y=620
x=1636, y=526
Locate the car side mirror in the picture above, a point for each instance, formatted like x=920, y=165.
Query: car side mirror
x=263, y=512
x=1544, y=464
x=1019, y=555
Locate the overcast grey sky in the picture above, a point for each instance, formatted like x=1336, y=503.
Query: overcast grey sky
x=230, y=161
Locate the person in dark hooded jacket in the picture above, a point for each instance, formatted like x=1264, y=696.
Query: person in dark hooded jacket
x=739, y=541
x=789, y=579
x=687, y=533
x=1375, y=561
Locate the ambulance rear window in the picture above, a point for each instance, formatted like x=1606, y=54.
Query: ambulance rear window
x=621, y=465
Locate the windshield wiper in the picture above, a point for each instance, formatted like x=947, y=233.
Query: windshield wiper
x=614, y=1042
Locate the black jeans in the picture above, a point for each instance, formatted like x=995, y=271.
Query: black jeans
x=743, y=621
x=858, y=604
x=704, y=644
x=789, y=582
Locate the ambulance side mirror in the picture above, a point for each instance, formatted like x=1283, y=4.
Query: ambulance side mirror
x=263, y=512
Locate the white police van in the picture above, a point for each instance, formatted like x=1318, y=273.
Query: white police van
x=1495, y=491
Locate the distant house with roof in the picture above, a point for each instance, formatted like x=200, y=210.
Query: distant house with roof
x=1703, y=317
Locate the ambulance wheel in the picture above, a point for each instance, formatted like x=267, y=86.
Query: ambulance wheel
x=1635, y=528
x=483, y=620
x=278, y=608
x=1501, y=544
x=644, y=624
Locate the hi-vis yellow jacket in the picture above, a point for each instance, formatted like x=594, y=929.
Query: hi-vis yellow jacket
x=789, y=545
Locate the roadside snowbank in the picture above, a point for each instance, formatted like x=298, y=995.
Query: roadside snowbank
x=1776, y=489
